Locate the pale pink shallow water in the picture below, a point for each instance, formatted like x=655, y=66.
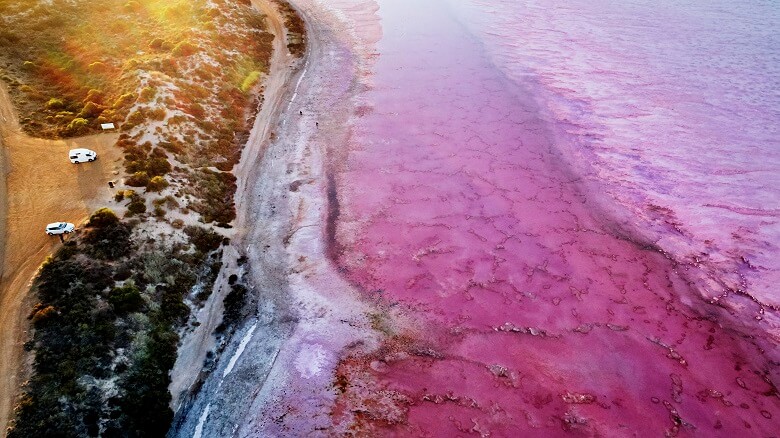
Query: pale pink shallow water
x=507, y=197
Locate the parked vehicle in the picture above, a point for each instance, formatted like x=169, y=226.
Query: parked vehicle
x=82, y=155
x=56, y=228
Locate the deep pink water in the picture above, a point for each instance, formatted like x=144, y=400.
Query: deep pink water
x=578, y=207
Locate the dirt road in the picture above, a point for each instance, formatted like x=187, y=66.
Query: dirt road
x=39, y=185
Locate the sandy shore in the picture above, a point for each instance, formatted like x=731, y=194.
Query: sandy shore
x=196, y=344
x=39, y=186
x=307, y=313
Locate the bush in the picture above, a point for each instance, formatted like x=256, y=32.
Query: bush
x=124, y=100
x=103, y=217
x=91, y=110
x=204, y=239
x=157, y=114
x=184, y=48
x=136, y=118
x=124, y=194
x=55, y=104
x=250, y=81
x=138, y=206
x=98, y=67
x=126, y=299
x=138, y=179
x=171, y=202
x=234, y=304
x=44, y=314
x=107, y=116
x=95, y=96
x=108, y=242
x=156, y=184
x=77, y=126
x=216, y=189
x=147, y=94
x=156, y=43
x=158, y=166
x=136, y=166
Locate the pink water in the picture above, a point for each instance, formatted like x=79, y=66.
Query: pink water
x=577, y=206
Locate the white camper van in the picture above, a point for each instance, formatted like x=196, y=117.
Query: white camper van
x=82, y=155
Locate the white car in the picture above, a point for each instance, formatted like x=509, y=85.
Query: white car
x=59, y=228
x=82, y=155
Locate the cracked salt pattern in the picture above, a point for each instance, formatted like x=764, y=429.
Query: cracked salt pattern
x=677, y=106
x=462, y=201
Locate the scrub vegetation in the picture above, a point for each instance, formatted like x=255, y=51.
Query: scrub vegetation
x=181, y=80
x=296, y=28
x=105, y=331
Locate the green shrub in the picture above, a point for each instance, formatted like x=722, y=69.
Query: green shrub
x=137, y=207
x=109, y=241
x=98, y=67
x=234, y=304
x=156, y=43
x=158, y=153
x=157, y=184
x=126, y=299
x=136, y=166
x=96, y=96
x=158, y=166
x=138, y=179
x=184, y=48
x=216, y=189
x=91, y=110
x=78, y=126
x=204, y=239
x=103, y=217
x=136, y=117
x=250, y=81
x=171, y=202
x=124, y=194
x=55, y=104
x=145, y=407
x=125, y=100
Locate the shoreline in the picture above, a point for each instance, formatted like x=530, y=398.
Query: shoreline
x=186, y=373
x=308, y=315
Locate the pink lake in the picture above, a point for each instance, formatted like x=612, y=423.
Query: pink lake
x=575, y=207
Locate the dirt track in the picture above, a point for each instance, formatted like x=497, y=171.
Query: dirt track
x=39, y=186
